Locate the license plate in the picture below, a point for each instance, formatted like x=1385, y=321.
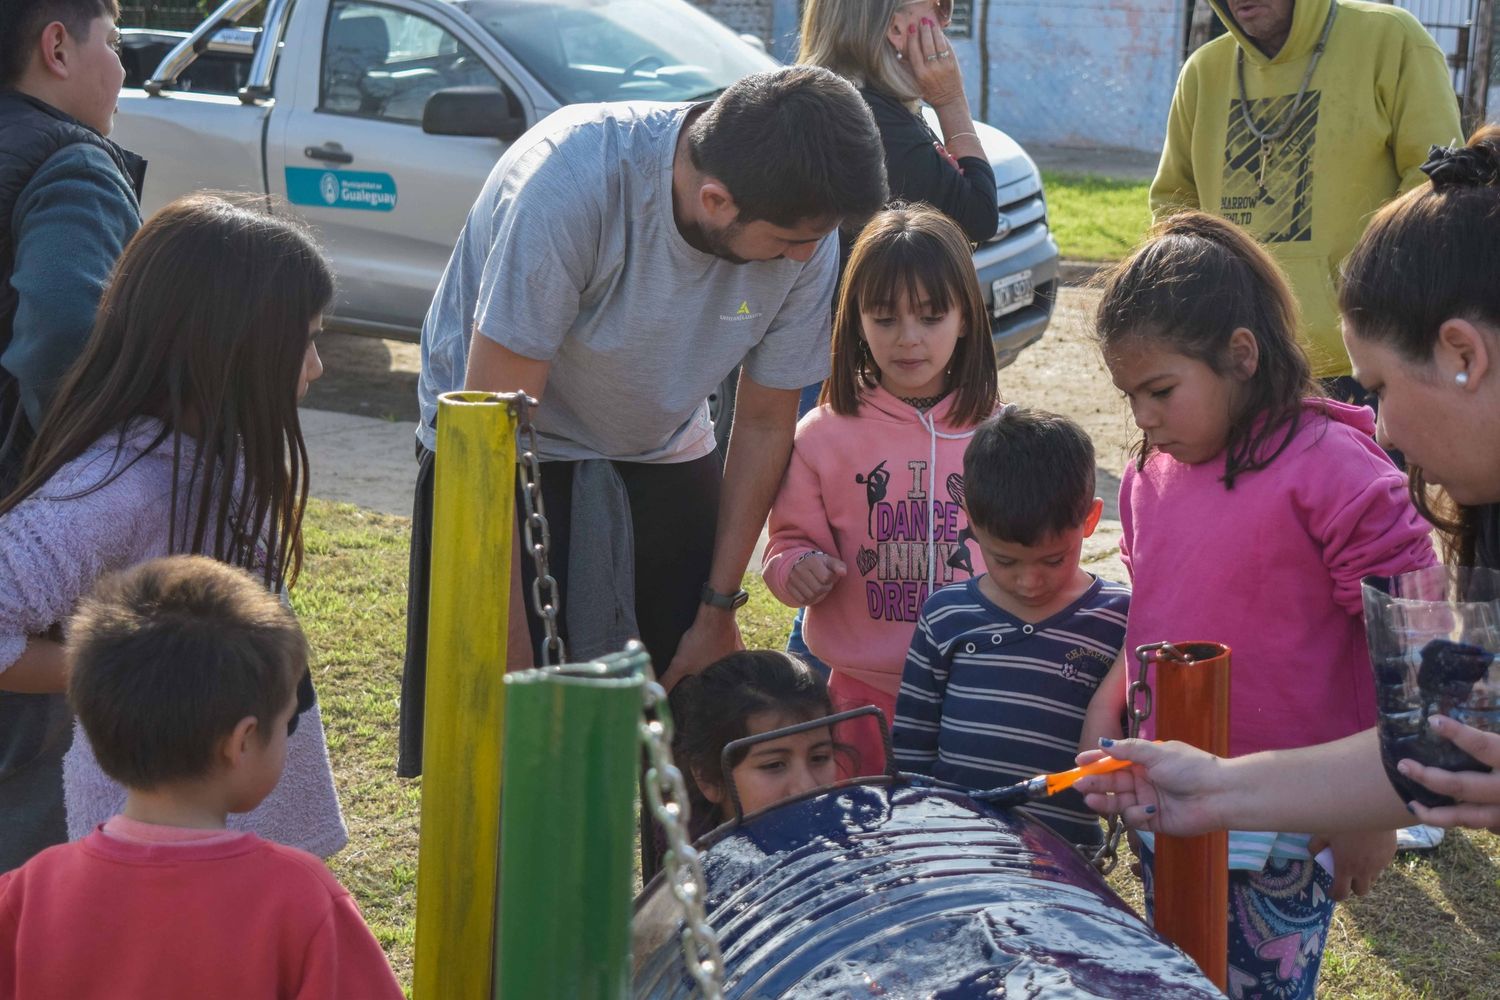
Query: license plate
x=1012, y=293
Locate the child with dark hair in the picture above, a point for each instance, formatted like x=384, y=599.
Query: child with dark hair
x=1421, y=311
x=68, y=205
x=175, y=432
x=870, y=516
x=1002, y=667
x=1250, y=516
x=745, y=694
x=184, y=674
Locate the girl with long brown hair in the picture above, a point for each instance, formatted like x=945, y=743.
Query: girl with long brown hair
x=176, y=431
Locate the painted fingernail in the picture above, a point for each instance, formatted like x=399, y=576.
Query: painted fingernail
x=1150, y=810
x=1105, y=741
x=927, y=21
x=911, y=29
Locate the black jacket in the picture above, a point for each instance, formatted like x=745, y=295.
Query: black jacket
x=31, y=133
x=916, y=171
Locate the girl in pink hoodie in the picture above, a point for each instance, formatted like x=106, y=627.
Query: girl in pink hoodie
x=1250, y=516
x=870, y=514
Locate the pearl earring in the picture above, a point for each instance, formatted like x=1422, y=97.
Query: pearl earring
x=1462, y=378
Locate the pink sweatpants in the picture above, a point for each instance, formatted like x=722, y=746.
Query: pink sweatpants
x=862, y=734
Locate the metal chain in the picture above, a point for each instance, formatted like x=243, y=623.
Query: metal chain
x=546, y=600
x=667, y=798
x=1269, y=137
x=1138, y=704
x=1275, y=133
x=666, y=793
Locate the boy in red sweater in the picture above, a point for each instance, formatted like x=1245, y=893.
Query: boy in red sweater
x=184, y=675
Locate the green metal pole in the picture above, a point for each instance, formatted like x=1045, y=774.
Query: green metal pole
x=472, y=524
x=567, y=830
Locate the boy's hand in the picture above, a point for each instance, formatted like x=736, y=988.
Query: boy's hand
x=1478, y=793
x=1358, y=859
x=813, y=576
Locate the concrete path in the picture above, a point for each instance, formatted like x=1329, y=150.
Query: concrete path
x=361, y=460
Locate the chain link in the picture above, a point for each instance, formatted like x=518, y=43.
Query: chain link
x=546, y=601
x=1138, y=705
x=666, y=796
x=666, y=793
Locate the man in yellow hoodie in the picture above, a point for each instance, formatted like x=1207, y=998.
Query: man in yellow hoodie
x=1298, y=124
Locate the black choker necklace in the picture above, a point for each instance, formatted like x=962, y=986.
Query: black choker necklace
x=923, y=402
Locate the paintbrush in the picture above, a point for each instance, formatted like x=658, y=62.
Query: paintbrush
x=1044, y=785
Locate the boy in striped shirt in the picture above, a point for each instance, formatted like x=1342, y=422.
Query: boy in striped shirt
x=1002, y=666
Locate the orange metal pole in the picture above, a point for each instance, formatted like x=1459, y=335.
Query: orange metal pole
x=1192, y=873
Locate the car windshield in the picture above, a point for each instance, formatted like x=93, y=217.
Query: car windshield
x=620, y=50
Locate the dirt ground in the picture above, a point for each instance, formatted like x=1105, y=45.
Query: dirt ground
x=1063, y=373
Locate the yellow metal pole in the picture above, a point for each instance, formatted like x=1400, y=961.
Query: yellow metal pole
x=473, y=514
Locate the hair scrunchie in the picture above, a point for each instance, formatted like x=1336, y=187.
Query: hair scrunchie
x=1461, y=166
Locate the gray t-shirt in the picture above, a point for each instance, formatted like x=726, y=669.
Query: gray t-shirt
x=571, y=255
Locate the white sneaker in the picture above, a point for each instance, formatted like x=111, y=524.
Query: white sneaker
x=1419, y=838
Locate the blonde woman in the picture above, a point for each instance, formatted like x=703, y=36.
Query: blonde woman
x=895, y=52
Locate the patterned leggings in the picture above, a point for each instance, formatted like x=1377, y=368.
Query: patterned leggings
x=1278, y=925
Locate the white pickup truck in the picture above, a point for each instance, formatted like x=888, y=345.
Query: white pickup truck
x=378, y=121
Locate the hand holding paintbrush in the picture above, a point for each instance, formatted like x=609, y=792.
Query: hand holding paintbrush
x=1044, y=785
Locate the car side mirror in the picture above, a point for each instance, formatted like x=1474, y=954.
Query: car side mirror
x=481, y=111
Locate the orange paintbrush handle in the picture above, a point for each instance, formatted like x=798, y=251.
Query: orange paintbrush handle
x=1066, y=779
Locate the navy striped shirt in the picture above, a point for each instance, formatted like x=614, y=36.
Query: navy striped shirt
x=988, y=699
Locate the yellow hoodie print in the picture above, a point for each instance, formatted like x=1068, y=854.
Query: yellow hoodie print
x=1378, y=99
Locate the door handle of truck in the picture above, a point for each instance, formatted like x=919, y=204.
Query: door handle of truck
x=331, y=153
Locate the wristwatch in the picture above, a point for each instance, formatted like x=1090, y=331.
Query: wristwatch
x=728, y=602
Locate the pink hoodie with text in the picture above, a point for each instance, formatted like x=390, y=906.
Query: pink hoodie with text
x=883, y=492
x=1272, y=568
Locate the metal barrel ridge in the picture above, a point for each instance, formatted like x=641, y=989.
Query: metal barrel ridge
x=567, y=830
x=879, y=888
x=464, y=712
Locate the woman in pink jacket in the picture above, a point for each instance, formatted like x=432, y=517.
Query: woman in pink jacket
x=870, y=515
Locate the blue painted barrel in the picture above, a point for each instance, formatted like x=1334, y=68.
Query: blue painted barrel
x=882, y=889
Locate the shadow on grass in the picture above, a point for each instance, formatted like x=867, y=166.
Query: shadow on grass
x=1435, y=919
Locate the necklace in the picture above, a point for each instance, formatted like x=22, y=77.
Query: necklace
x=1270, y=136
x=923, y=403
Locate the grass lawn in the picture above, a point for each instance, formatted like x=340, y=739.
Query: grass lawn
x=1095, y=218
x=1430, y=929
